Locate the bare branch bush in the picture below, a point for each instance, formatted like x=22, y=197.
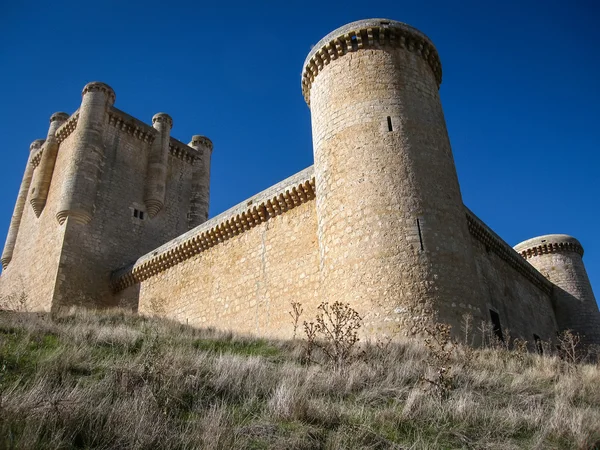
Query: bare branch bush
x=569, y=348
x=334, y=332
x=295, y=314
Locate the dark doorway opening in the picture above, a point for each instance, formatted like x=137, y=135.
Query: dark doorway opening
x=496, y=325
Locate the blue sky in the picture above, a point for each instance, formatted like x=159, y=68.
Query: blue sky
x=520, y=92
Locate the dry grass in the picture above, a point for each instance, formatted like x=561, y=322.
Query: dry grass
x=113, y=380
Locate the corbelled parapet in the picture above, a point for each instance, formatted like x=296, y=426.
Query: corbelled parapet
x=389, y=237
x=368, y=34
x=81, y=184
x=199, y=203
x=15, y=221
x=47, y=161
x=551, y=243
x=156, y=178
x=559, y=258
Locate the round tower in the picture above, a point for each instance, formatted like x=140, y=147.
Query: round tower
x=156, y=179
x=15, y=220
x=392, y=226
x=559, y=258
x=199, y=202
x=81, y=184
x=45, y=170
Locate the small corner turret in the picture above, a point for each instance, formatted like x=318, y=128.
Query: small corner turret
x=199, y=204
x=559, y=257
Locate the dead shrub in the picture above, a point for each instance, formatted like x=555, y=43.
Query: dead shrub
x=334, y=332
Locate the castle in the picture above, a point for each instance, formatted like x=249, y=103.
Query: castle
x=113, y=212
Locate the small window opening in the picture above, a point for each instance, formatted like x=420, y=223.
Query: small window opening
x=353, y=37
x=138, y=214
x=538, y=344
x=420, y=234
x=390, y=127
x=496, y=325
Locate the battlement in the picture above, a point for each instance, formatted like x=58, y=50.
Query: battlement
x=550, y=243
x=130, y=125
x=363, y=34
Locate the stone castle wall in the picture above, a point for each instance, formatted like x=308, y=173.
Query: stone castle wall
x=232, y=277
x=511, y=287
x=558, y=257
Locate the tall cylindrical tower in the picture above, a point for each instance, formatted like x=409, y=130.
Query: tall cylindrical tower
x=392, y=226
x=15, y=220
x=199, y=202
x=81, y=184
x=45, y=169
x=156, y=178
x=559, y=258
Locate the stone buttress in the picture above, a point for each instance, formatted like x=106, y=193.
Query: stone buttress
x=559, y=258
x=391, y=222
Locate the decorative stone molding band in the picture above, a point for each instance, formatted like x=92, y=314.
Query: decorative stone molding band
x=215, y=231
x=364, y=34
x=145, y=133
x=551, y=243
x=68, y=127
x=179, y=150
x=491, y=240
x=133, y=127
x=36, y=157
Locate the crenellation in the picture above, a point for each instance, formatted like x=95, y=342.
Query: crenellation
x=365, y=225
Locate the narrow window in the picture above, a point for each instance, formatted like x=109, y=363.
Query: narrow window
x=135, y=213
x=538, y=344
x=390, y=127
x=496, y=325
x=420, y=233
x=142, y=215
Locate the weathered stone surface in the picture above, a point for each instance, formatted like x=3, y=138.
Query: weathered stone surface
x=378, y=222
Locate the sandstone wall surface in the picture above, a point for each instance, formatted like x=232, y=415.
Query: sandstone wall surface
x=34, y=266
x=115, y=236
x=523, y=307
x=391, y=224
x=246, y=283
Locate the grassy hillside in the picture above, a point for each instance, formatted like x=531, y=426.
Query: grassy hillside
x=112, y=380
